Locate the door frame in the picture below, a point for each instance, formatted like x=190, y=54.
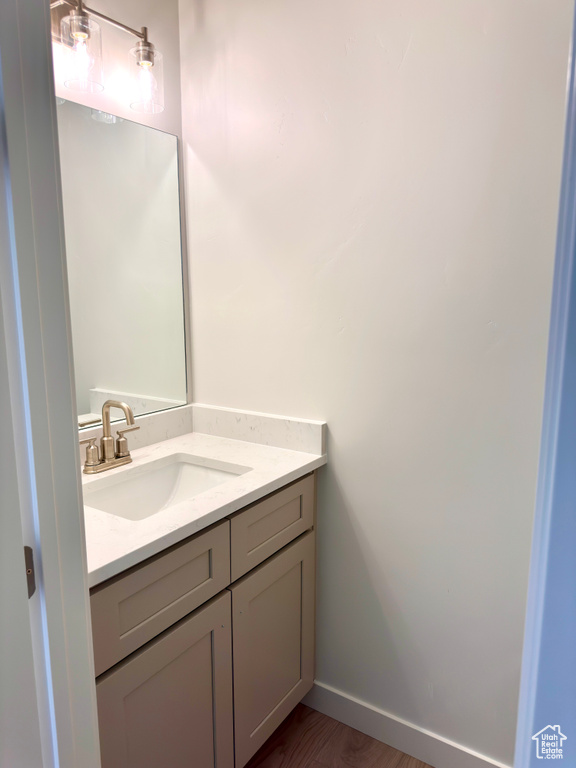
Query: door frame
x=20, y=721
x=37, y=337
x=548, y=665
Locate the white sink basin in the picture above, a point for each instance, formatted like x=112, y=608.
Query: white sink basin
x=140, y=492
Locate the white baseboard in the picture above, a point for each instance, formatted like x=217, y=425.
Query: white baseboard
x=417, y=742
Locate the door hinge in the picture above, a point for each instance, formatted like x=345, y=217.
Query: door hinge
x=30, y=575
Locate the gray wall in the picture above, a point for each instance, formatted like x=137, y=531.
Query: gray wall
x=372, y=196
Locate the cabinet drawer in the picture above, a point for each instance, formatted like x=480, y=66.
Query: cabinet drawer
x=262, y=529
x=135, y=606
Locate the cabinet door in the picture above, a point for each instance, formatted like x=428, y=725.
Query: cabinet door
x=170, y=704
x=273, y=641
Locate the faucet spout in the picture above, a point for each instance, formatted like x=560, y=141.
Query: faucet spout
x=106, y=429
x=107, y=441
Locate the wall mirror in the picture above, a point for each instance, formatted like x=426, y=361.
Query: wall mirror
x=124, y=254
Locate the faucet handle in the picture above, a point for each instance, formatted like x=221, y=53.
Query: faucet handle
x=122, y=442
x=92, y=455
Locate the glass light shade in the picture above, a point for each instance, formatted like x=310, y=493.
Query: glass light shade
x=148, y=83
x=81, y=36
x=105, y=117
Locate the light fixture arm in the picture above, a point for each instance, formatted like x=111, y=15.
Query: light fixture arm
x=80, y=6
x=142, y=35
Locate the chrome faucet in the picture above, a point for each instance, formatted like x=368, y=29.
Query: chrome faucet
x=113, y=453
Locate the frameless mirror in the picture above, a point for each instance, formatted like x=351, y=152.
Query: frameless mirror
x=123, y=245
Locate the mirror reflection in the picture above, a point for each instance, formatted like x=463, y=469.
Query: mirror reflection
x=123, y=244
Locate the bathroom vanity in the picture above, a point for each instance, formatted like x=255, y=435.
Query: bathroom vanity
x=200, y=535
x=202, y=649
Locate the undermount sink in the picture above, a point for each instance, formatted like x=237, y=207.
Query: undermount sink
x=140, y=492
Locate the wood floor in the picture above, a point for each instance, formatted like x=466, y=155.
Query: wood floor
x=308, y=739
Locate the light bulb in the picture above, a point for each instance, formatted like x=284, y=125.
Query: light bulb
x=79, y=25
x=81, y=35
x=148, y=82
x=83, y=62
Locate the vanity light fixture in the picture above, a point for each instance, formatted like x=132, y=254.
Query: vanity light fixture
x=78, y=48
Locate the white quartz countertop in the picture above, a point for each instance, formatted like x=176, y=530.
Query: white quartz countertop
x=114, y=543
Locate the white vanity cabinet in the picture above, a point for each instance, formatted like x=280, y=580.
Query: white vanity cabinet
x=203, y=650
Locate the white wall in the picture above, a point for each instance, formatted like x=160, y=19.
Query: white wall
x=372, y=194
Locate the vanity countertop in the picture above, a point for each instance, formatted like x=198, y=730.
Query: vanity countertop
x=115, y=543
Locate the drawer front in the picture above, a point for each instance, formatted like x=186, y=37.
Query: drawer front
x=135, y=606
x=264, y=528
